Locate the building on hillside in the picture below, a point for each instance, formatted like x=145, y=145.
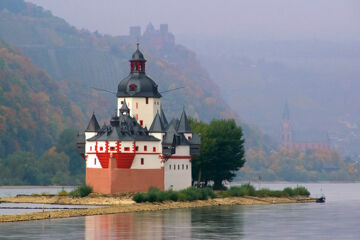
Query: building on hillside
x=303, y=142
x=138, y=148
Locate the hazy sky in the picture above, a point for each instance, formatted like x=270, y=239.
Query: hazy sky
x=245, y=19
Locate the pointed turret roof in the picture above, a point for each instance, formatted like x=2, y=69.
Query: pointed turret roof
x=184, y=126
x=163, y=118
x=137, y=55
x=93, y=125
x=124, y=108
x=286, y=113
x=157, y=125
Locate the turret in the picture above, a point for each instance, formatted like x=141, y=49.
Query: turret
x=92, y=128
x=137, y=62
x=140, y=91
x=184, y=126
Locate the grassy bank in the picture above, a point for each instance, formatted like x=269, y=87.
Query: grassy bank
x=139, y=207
x=155, y=200
x=192, y=194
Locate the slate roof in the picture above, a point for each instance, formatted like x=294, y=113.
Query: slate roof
x=124, y=108
x=138, y=84
x=172, y=136
x=184, y=126
x=196, y=139
x=123, y=128
x=157, y=125
x=163, y=118
x=93, y=125
x=137, y=55
x=286, y=112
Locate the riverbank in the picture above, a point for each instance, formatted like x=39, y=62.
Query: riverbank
x=127, y=206
x=68, y=200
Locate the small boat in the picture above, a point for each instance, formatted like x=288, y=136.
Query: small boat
x=321, y=199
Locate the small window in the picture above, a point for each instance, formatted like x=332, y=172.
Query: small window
x=147, y=100
x=101, y=149
x=137, y=148
x=137, y=117
x=145, y=148
x=122, y=102
x=141, y=122
x=170, y=166
x=112, y=148
x=183, y=167
x=187, y=167
x=137, y=105
x=142, y=161
x=178, y=166
x=174, y=166
x=127, y=149
x=90, y=148
x=154, y=149
x=189, y=137
x=94, y=161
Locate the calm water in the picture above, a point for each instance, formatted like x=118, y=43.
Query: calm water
x=339, y=218
x=6, y=191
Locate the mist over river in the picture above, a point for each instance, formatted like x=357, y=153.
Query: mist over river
x=338, y=218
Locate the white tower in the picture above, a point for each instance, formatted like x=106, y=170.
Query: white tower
x=140, y=92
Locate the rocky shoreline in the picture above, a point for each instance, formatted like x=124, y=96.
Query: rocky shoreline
x=125, y=204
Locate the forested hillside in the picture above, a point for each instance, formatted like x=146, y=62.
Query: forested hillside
x=46, y=94
x=35, y=147
x=79, y=60
x=32, y=109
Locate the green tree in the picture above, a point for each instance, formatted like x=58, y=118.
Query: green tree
x=67, y=144
x=222, y=151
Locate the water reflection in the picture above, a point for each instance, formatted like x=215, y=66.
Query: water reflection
x=222, y=222
x=200, y=223
x=147, y=225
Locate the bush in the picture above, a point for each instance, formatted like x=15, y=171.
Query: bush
x=63, y=193
x=301, y=191
x=243, y=190
x=263, y=192
x=139, y=197
x=276, y=193
x=173, y=196
x=75, y=193
x=189, y=194
x=289, y=191
x=81, y=191
x=248, y=190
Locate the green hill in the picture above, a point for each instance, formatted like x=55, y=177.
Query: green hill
x=32, y=109
x=79, y=60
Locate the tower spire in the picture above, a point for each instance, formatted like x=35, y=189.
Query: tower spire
x=286, y=132
x=137, y=62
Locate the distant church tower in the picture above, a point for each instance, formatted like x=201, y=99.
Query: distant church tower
x=286, y=132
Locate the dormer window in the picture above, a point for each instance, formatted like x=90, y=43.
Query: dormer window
x=132, y=87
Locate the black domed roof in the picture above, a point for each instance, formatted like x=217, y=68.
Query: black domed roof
x=138, y=85
x=137, y=55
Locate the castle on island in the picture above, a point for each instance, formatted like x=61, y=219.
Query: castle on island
x=138, y=148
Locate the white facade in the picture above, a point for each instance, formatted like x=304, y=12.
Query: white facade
x=143, y=109
x=177, y=174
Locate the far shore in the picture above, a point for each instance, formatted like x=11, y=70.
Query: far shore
x=124, y=204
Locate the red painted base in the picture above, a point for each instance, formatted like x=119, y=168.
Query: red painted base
x=117, y=180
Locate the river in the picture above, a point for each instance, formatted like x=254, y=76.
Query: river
x=338, y=218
